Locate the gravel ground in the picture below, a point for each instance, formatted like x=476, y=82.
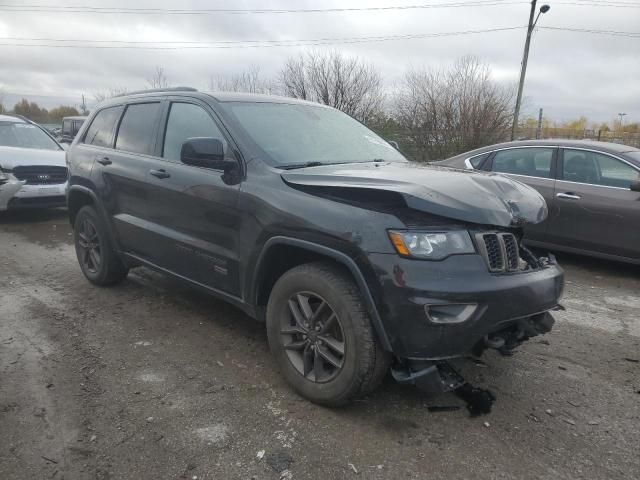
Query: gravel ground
x=149, y=379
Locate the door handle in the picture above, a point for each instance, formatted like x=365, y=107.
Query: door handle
x=568, y=196
x=159, y=173
x=104, y=161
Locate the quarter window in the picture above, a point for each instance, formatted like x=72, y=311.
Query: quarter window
x=185, y=121
x=532, y=162
x=100, y=133
x=137, y=127
x=478, y=159
x=596, y=169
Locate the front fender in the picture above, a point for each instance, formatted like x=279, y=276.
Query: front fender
x=335, y=255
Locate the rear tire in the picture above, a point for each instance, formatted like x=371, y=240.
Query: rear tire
x=316, y=314
x=98, y=259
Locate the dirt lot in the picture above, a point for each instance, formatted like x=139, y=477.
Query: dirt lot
x=151, y=380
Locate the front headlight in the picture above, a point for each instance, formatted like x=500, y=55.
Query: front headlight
x=431, y=245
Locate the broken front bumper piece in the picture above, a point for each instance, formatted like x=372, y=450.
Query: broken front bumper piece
x=441, y=376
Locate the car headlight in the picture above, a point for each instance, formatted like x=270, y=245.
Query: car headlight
x=431, y=245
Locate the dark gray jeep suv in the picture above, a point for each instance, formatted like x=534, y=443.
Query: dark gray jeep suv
x=357, y=259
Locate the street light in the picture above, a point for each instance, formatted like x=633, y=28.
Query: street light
x=525, y=57
x=621, y=115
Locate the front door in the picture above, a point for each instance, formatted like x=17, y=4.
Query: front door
x=596, y=209
x=535, y=167
x=193, y=209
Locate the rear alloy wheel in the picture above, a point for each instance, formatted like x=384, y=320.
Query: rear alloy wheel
x=321, y=336
x=89, y=246
x=97, y=258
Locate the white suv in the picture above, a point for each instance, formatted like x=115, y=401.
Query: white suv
x=33, y=170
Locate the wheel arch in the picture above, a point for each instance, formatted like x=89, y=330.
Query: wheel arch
x=78, y=197
x=271, y=264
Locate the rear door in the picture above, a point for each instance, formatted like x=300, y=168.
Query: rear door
x=534, y=166
x=123, y=172
x=193, y=209
x=596, y=211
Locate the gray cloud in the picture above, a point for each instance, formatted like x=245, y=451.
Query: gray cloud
x=570, y=74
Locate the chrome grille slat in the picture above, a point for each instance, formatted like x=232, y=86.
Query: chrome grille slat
x=500, y=251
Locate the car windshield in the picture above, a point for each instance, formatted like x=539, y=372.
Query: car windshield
x=25, y=135
x=292, y=135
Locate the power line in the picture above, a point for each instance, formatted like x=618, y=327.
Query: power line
x=209, y=11
x=34, y=8
x=280, y=41
x=588, y=3
x=594, y=31
x=226, y=44
x=223, y=44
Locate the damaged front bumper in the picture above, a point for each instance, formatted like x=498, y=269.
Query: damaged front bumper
x=9, y=186
x=434, y=311
x=440, y=376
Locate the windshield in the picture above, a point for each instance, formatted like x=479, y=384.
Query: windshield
x=291, y=134
x=25, y=135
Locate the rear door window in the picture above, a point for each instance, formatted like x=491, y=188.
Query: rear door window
x=100, y=132
x=185, y=121
x=66, y=127
x=531, y=162
x=594, y=168
x=137, y=128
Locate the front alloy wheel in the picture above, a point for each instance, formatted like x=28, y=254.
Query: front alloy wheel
x=313, y=337
x=321, y=336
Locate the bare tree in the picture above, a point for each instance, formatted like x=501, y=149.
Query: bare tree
x=444, y=112
x=345, y=83
x=158, y=79
x=248, y=81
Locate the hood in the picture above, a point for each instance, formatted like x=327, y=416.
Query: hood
x=11, y=157
x=465, y=195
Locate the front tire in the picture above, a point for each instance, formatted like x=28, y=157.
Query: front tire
x=321, y=336
x=97, y=258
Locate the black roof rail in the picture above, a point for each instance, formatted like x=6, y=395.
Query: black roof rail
x=156, y=90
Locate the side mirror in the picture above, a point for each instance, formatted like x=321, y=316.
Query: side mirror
x=205, y=152
x=635, y=185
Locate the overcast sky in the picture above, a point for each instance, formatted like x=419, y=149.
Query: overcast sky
x=570, y=74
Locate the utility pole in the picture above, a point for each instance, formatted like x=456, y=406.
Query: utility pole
x=539, y=129
x=83, y=106
x=525, y=58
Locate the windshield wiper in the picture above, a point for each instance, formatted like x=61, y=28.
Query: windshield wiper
x=293, y=166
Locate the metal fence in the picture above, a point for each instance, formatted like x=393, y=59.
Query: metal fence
x=456, y=144
x=624, y=138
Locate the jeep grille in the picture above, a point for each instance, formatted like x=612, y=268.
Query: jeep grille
x=500, y=251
